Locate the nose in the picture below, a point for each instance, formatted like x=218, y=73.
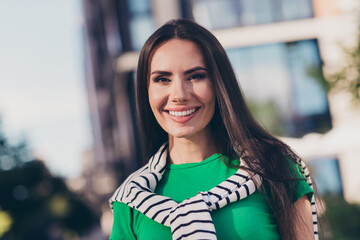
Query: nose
x=179, y=92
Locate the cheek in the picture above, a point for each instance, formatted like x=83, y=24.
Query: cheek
x=205, y=93
x=155, y=99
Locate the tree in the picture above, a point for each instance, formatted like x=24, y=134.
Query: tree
x=342, y=218
x=347, y=77
x=35, y=204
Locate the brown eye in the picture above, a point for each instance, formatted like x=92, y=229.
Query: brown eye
x=161, y=79
x=197, y=76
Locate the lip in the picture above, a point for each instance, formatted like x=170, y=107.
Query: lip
x=182, y=119
x=180, y=108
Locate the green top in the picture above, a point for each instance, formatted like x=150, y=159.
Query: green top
x=249, y=218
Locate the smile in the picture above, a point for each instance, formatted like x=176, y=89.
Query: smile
x=182, y=116
x=182, y=113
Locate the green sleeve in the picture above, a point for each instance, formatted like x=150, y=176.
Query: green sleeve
x=122, y=226
x=301, y=187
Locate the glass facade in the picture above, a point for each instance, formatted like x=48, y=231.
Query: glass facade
x=327, y=176
x=141, y=22
x=280, y=89
x=215, y=14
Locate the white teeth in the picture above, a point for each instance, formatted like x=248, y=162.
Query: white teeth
x=182, y=113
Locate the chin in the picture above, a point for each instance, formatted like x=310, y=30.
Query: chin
x=180, y=135
x=187, y=133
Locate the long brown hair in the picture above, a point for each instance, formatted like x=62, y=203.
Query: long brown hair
x=237, y=133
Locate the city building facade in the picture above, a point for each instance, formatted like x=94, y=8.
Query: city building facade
x=278, y=49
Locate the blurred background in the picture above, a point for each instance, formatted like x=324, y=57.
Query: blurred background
x=68, y=136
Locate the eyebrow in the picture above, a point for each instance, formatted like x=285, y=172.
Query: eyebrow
x=194, y=69
x=161, y=73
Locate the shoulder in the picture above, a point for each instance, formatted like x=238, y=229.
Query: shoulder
x=302, y=183
x=123, y=213
x=121, y=190
x=155, y=166
x=123, y=221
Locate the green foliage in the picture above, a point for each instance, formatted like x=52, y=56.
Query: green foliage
x=36, y=204
x=346, y=78
x=267, y=114
x=343, y=219
x=12, y=155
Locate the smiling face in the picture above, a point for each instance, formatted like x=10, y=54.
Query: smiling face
x=181, y=94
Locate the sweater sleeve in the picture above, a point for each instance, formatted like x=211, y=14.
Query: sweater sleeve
x=123, y=220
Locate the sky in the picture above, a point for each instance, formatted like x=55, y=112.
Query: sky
x=42, y=85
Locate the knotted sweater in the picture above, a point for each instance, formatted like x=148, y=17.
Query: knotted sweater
x=249, y=218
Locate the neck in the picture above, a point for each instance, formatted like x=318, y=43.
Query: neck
x=191, y=150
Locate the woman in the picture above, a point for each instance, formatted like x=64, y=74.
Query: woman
x=213, y=171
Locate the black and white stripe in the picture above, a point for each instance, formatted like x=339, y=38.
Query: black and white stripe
x=191, y=218
x=306, y=174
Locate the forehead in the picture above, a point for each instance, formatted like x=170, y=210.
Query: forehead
x=176, y=53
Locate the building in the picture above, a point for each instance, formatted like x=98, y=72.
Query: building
x=277, y=48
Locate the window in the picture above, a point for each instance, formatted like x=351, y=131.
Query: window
x=141, y=23
x=327, y=176
x=279, y=86
x=215, y=14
